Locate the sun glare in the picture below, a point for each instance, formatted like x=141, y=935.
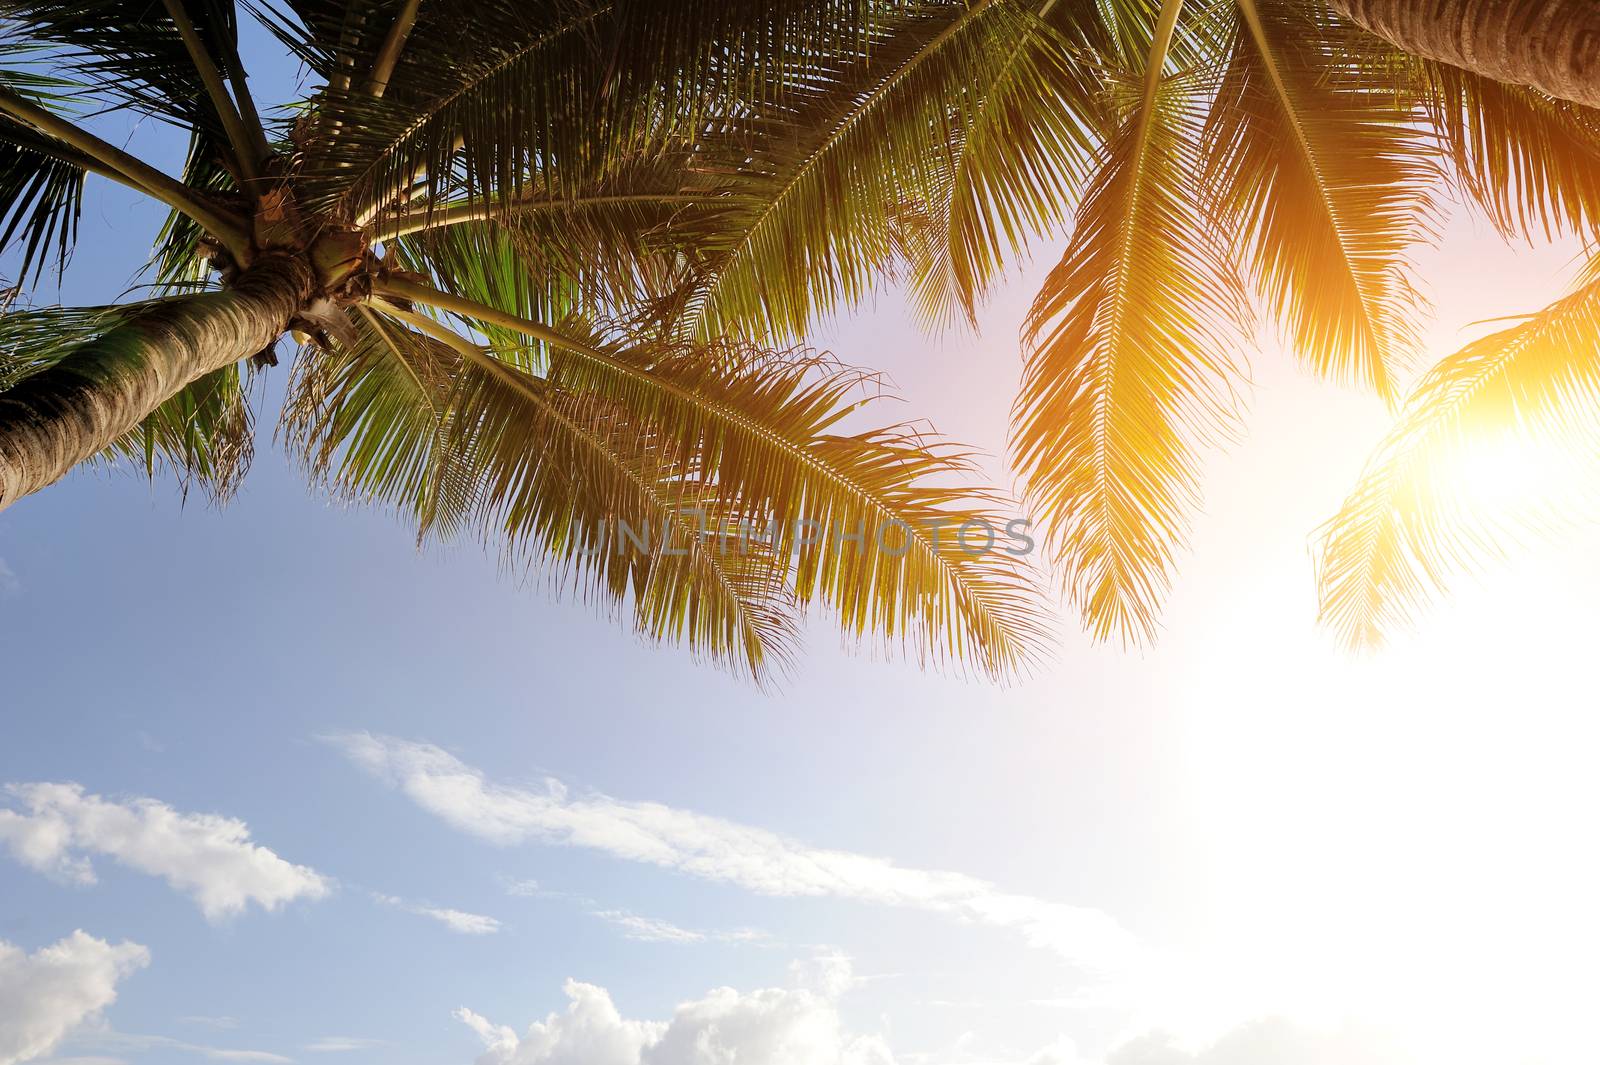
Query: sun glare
x=1508, y=473
x=1406, y=837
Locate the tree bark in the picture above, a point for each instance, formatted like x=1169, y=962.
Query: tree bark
x=72, y=411
x=1550, y=45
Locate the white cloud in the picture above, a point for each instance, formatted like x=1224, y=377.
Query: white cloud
x=649, y=929
x=210, y=1053
x=205, y=856
x=45, y=995
x=717, y=849
x=800, y=1025
x=340, y=1044
x=774, y=1026
x=644, y=929
x=1272, y=1041
x=830, y=973
x=9, y=584
x=468, y=924
x=138, y=1044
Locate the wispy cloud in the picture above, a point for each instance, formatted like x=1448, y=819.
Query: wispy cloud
x=341, y=1044
x=205, y=856
x=654, y=930
x=468, y=924
x=717, y=849
x=636, y=926
x=9, y=584
x=112, y=1040
x=648, y=929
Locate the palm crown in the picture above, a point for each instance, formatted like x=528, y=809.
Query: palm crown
x=549, y=262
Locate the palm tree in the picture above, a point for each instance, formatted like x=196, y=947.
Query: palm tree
x=512, y=237
x=550, y=261
x=1549, y=45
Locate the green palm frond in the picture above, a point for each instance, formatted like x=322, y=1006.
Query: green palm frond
x=615, y=248
x=36, y=338
x=180, y=262
x=324, y=34
x=370, y=417
x=1024, y=140
x=763, y=430
x=1324, y=175
x=1130, y=364
x=574, y=482
x=483, y=108
x=131, y=54
x=41, y=197
x=41, y=179
x=1405, y=528
x=458, y=439
x=1530, y=162
x=834, y=164
x=205, y=435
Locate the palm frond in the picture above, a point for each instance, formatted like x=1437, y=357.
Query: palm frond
x=36, y=338
x=205, y=435
x=1405, y=528
x=484, y=107
x=318, y=33
x=41, y=179
x=35, y=121
x=1025, y=137
x=1324, y=175
x=1130, y=362
x=763, y=430
x=180, y=261
x=574, y=481
x=830, y=168
x=475, y=442
x=1529, y=161
x=131, y=54
x=369, y=417
x=616, y=248
x=41, y=197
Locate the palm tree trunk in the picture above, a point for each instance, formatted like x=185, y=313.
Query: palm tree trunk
x=1550, y=45
x=58, y=417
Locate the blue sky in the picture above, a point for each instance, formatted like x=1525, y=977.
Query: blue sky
x=1239, y=847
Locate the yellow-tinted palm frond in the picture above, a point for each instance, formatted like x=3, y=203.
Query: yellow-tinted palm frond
x=859, y=514
x=1022, y=143
x=829, y=168
x=459, y=440
x=1130, y=364
x=1323, y=175
x=575, y=486
x=1531, y=162
x=1407, y=525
